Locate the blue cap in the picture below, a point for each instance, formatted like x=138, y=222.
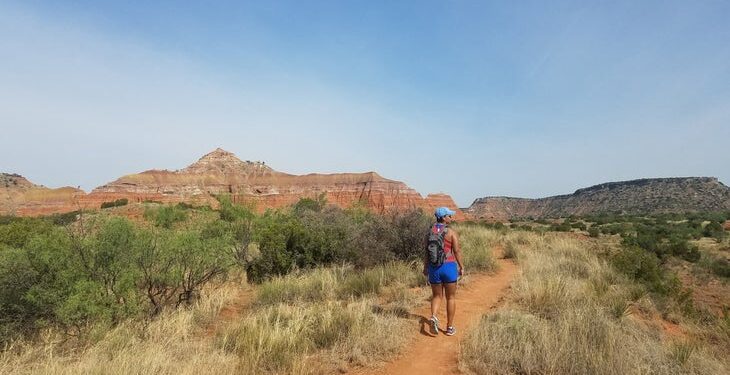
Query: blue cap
x=443, y=211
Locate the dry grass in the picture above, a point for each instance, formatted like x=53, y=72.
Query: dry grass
x=340, y=282
x=325, y=319
x=309, y=338
x=312, y=322
x=477, y=245
x=571, y=315
x=171, y=344
x=319, y=321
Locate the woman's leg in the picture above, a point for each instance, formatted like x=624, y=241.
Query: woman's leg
x=437, y=293
x=450, y=303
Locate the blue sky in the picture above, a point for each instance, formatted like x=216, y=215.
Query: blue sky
x=527, y=99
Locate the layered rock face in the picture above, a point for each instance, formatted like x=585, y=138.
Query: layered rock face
x=432, y=201
x=20, y=197
x=645, y=196
x=221, y=172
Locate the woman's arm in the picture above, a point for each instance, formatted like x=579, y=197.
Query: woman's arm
x=456, y=248
x=425, y=257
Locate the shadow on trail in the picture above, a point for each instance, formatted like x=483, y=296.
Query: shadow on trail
x=424, y=323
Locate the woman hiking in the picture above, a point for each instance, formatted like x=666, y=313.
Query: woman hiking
x=443, y=266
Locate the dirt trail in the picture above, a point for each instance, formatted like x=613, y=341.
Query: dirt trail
x=429, y=354
x=231, y=311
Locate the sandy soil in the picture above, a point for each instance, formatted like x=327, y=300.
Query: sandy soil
x=439, y=354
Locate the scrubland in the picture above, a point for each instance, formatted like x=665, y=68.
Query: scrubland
x=573, y=312
x=319, y=290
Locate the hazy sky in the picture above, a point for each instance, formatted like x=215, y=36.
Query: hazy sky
x=516, y=98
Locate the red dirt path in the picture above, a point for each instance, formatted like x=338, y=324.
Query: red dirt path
x=429, y=354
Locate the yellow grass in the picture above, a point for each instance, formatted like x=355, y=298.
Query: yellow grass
x=477, y=245
x=172, y=344
x=319, y=321
x=570, y=315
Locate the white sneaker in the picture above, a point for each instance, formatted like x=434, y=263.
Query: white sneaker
x=434, y=325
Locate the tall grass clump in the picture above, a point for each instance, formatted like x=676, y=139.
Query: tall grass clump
x=571, y=315
x=170, y=344
x=310, y=322
x=339, y=282
x=285, y=339
x=319, y=284
x=477, y=244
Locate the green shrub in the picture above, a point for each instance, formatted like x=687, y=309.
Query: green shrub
x=17, y=232
x=641, y=265
x=166, y=216
x=64, y=218
x=593, y=232
x=184, y=206
x=717, y=265
x=564, y=227
x=116, y=203
x=17, y=277
x=308, y=204
x=681, y=248
x=714, y=230
x=578, y=225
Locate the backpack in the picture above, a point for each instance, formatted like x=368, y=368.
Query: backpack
x=435, y=246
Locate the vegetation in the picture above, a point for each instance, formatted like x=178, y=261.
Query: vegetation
x=116, y=203
x=132, y=295
x=105, y=270
x=573, y=313
x=167, y=293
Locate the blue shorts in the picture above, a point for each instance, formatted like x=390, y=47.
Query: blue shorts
x=446, y=273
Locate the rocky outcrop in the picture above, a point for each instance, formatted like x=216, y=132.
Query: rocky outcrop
x=432, y=201
x=20, y=197
x=645, y=196
x=221, y=172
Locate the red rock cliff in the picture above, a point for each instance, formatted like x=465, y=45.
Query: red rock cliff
x=221, y=172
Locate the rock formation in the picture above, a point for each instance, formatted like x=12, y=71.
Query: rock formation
x=645, y=196
x=20, y=197
x=221, y=172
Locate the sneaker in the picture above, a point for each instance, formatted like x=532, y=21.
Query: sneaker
x=450, y=331
x=434, y=325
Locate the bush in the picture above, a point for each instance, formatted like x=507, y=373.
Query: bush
x=166, y=216
x=681, y=248
x=18, y=232
x=305, y=238
x=65, y=218
x=564, y=227
x=578, y=225
x=116, y=203
x=17, y=277
x=308, y=204
x=714, y=230
x=285, y=244
x=641, y=265
x=593, y=232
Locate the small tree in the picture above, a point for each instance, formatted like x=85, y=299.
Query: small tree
x=240, y=221
x=308, y=204
x=196, y=260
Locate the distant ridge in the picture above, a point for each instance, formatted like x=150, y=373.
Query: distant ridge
x=18, y=196
x=642, y=196
x=220, y=172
